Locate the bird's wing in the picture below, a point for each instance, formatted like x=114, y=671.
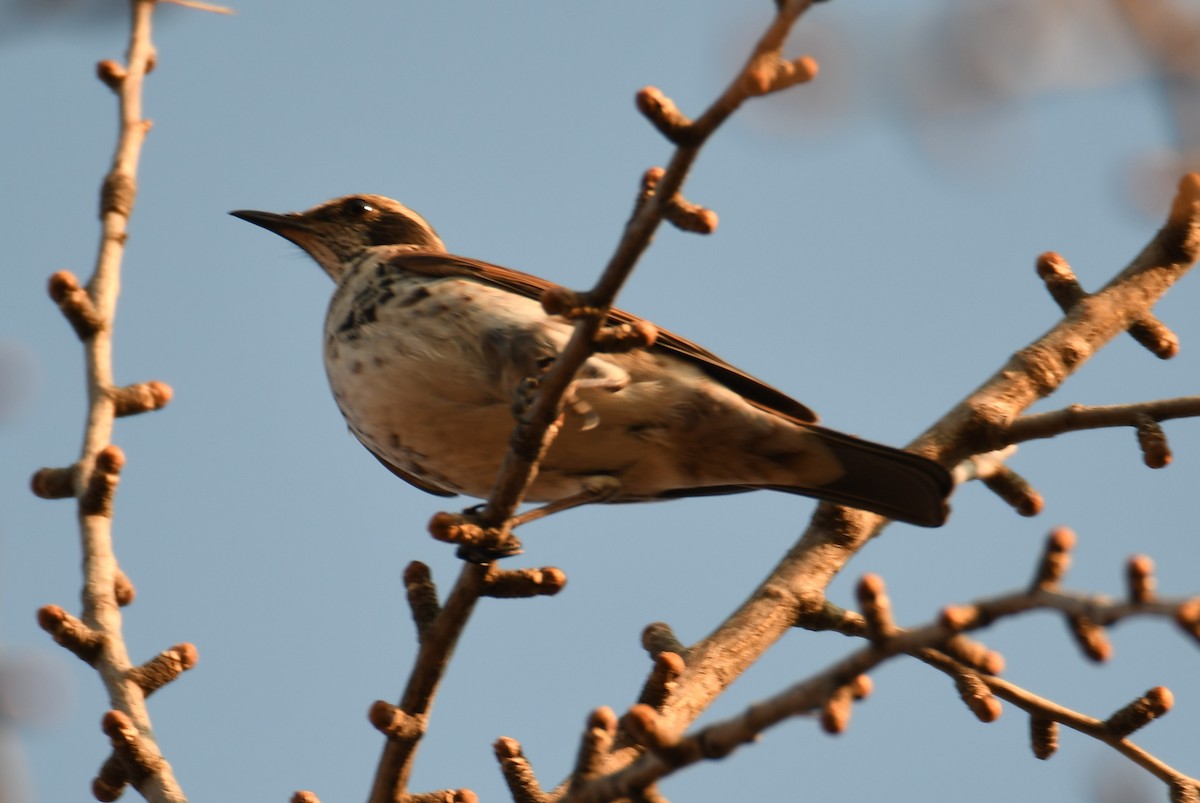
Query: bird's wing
x=411, y=479
x=740, y=382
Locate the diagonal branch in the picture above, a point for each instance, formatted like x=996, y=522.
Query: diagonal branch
x=934, y=643
x=96, y=636
x=796, y=586
x=100, y=607
x=536, y=428
x=1078, y=417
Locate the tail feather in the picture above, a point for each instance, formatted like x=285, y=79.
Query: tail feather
x=884, y=480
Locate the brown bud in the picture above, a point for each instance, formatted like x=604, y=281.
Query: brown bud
x=687, y=216
x=1141, y=712
x=123, y=589
x=564, y=302
x=1091, y=638
x=978, y=697
x=522, y=583
x=622, y=338
x=668, y=666
x=164, y=667
x=651, y=178
x=876, y=607
x=1043, y=737
x=1060, y=280
x=1156, y=453
x=1155, y=337
x=506, y=747
x=71, y=633
x=1139, y=574
x=518, y=773
x=140, y=398
x=773, y=76
x=644, y=726
x=958, y=617
x=1186, y=199
x=796, y=71
x=445, y=526
x=75, y=304
x=594, y=746
x=974, y=654
x=476, y=544
x=658, y=637
x=110, y=781
x=111, y=73
x=603, y=718
x=665, y=115
x=1056, y=559
x=128, y=745
x=53, y=483
x=861, y=687
x=422, y=594
x=835, y=714
x=1187, y=616
x=97, y=497
x=394, y=723
x=1014, y=489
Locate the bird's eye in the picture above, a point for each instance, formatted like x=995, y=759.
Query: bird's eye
x=358, y=207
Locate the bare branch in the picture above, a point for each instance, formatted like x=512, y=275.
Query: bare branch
x=518, y=774
x=1077, y=417
x=1066, y=291
x=96, y=636
x=991, y=469
x=765, y=71
x=830, y=691
x=438, y=638
x=485, y=535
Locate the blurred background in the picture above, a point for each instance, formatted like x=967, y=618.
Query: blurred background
x=878, y=230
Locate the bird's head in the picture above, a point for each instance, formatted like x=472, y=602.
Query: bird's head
x=337, y=231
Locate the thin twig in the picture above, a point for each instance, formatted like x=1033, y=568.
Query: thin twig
x=796, y=586
x=101, y=611
x=91, y=310
x=925, y=642
x=438, y=640
x=1078, y=417
x=534, y=434
x=536, y=429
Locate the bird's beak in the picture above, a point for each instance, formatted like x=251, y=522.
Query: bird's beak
x=279, y=224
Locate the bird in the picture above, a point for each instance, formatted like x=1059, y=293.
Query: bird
x=427, y=352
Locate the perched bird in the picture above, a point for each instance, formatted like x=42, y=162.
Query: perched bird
x=426, y=353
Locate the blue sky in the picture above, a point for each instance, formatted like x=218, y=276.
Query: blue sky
x=873, y=259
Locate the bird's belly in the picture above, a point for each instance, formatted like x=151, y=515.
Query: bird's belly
x=437, y=430
x=427, y=375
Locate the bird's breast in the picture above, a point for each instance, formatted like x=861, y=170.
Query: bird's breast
x=426, y=370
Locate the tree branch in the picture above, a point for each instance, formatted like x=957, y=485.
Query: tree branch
x=485, y=535
x=795, y=588
x=934, y=643
x=92, y=480
x=1078, y=417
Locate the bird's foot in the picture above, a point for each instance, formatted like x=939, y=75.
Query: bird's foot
x=599, y=488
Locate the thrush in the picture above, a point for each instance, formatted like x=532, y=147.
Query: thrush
x=426, y=352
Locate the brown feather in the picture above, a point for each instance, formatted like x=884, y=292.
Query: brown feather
x=432, y=263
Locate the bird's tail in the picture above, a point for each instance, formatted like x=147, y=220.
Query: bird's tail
x=883, y=480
